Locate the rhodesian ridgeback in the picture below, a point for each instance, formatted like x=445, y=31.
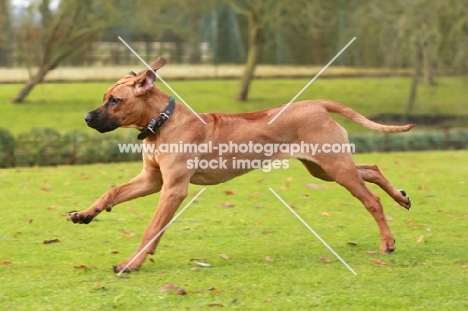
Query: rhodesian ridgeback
x=134, y=102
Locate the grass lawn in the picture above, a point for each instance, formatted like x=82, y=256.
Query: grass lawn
x=428, y=271
x=62, y=106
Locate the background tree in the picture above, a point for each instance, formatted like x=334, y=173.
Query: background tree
x=5, y=33
x=63, y=33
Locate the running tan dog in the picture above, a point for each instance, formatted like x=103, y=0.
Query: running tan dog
x=134, y=102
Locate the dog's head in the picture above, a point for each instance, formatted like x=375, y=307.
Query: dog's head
x=125, y=103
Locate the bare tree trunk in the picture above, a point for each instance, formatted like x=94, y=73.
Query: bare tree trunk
x=253, y=56
x=27, y=88
x=415, y=82
x=427, y=70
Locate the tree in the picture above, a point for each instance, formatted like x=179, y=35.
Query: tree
x=258, y=14
x=5, y=33
x=63, y=33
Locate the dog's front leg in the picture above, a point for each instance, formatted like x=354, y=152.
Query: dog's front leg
x=172, y=196
x=147, y=182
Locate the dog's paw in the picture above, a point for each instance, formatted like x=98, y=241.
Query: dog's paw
x=120, y=268
x=387, y=247
x=78, y=218
x=406, y=204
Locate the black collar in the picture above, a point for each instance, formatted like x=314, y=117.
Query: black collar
x=154, y=125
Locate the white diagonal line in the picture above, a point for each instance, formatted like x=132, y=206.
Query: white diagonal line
x=162, y=80
x=310, y=82
x=312, y=230
x=160, y=232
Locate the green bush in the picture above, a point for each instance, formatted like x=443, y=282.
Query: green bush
x=46, y=146
x=7, y=149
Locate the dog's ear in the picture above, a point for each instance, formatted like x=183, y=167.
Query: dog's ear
x=158, y=63
x=144, y=83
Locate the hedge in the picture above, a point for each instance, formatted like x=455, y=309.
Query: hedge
x=46, y=146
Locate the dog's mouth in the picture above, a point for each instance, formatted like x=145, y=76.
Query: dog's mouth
x=100, y=123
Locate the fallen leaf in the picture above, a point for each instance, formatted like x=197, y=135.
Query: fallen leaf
x=5, y=262
x=51, y=241
x=464, y=267
x=325, y=259
x=234, y=300
x=197, y=259
x=167, y=288
x=314, y=186
x=305, y=196
x=31, y=221
x=80, y=267
x=261, y=180
x=238, y=289
x=45, y=188
x=254, y=195
x=389, y=217
x=152, y=260
x=203, y=264
x=52, y=207
x=380, y=263
x=370, y=252
x=352, y=243
x=269, y=259
x=195, y=268
x=129, y=234
x=131, y=210
x=114, y=252
x=229, y=192
x=215, y=292
x=326, y=214
x=288, y=181
x=420, y=239
x=409, y=222
x=224, y=256
x=181, y=291
x=259, y=206
x=215, y=304
x=227, y=204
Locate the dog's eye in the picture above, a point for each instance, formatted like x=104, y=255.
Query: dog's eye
x=113, y=100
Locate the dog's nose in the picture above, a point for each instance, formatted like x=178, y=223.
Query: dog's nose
x=87, y=118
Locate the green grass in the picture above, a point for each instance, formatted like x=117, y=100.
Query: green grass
x=429, y=275
x=62, y=106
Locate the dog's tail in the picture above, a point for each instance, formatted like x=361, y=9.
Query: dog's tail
x=354, y=116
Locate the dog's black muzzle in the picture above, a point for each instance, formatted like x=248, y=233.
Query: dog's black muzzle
x=100, y=121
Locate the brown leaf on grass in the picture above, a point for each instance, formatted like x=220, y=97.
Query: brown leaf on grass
x=418, y=225
x=45, y=188
x=325, y=259
x=181, y=292
x=131, y=210
x=420, y=239
x=314, y=186
x=52, y=207
x=288, y=181
x=167, y=288
x=352, y=243
x=409, y=222
x=197, y=259
x=129, y=234
x=370, y=252
x=80, y=267
x=464, y=267
x=152, y=260
x=269, y=259
x=380, y=263
x=224, y=256
x=326, y=214
x=215, y=292
x=305, y=196
x=51, y=241
x=31, y=221
x=5, y=262
x=195, y=268
x=389, y=217
x=227, y=204
x=215, y=304
x=230, y=192
x=114, y=252
x=260, y=181
x=254, y=195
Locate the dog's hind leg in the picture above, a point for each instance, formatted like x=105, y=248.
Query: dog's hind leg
x=372, y=174
x=344, y=172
